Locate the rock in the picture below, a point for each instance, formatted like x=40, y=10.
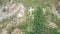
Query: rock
x=4, y=31
x=13, y=9
x=52, y=24
x=17, y=31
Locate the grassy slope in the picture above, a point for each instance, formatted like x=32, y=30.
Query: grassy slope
x=39, y=20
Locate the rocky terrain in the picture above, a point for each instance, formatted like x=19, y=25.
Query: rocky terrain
x=30, y=17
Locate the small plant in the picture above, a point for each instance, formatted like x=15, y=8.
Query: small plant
x=4, y=10
x=58, y=8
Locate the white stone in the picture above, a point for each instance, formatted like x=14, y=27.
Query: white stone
x=19, y=15
x=17, y=31
x=4, y=31
x=54, y=11
x=52, y=24
x=21, y=12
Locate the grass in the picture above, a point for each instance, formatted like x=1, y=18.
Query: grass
x=35, y=3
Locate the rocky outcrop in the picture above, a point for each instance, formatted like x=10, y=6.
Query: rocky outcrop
x=10, y=10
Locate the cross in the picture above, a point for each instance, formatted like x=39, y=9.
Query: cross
x=44, y=10
x=30, y=10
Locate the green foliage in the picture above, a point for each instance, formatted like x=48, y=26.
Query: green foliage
x=39, y=24
x=58, y=22
x=58, y=8
x=23, y=25
x=53, y=17
x=39, y=21
x=0, y=1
